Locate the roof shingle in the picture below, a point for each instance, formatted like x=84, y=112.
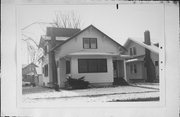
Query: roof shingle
x=61, y=32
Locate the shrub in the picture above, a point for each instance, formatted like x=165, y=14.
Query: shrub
x=76, y=83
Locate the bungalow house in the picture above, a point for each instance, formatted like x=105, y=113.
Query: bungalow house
x=143, y=63
x=89, y=53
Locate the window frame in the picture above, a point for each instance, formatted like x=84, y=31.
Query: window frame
x=45, y=50
x=132, y=51
x=90, y=43
x=68, y=66
x=46, y=70
x=156, y=63
x=133, y=68
x=98, y=64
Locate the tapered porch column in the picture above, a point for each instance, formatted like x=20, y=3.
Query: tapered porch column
x=125, y=76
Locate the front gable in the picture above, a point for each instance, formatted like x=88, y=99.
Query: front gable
x=76, y=44
x=139, y=50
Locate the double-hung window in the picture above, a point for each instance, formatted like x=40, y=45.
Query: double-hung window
x=132, y=51
x=90, y=43
x=133, y=68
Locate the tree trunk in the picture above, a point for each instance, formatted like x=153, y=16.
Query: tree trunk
x=53, y=65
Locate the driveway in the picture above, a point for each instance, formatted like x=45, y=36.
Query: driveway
x=91, y=95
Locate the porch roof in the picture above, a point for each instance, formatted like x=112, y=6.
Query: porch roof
x=135, y=60
x=96, y=54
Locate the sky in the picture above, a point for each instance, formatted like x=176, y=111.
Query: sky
x=129, y=20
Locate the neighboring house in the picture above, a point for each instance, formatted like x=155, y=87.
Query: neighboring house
x=54, y=36
x=39, y=76
x=89, y=53
x=29, y=73
x=136, y=65
x=32, y=73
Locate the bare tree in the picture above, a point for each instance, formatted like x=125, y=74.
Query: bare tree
x=67, y=20
x=32, y=48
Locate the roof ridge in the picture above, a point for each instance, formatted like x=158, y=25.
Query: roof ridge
x=81, y=32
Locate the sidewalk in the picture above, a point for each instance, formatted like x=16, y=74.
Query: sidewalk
x=146, y=85
x=94, y=92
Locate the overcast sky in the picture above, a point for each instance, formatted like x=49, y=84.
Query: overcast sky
x=130, y=20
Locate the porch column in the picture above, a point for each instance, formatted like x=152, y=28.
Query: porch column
x=125, y=76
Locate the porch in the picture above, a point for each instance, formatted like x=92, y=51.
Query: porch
x=98, y=68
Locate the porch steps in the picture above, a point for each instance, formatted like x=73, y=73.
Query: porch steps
x=120, y=81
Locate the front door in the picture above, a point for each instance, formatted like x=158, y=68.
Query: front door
x=115, y=71
x=118, y=69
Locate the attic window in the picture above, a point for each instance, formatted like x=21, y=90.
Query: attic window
x=90, y=43
x=133, y=51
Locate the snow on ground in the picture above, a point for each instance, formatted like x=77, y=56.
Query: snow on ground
x=146, y=85
x=102, y=98
x=93, y=94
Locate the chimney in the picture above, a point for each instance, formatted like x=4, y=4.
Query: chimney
x=147, y=37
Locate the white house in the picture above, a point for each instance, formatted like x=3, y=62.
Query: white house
x=89, y=53
x=135, y=64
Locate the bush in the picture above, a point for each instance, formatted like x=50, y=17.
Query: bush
x=53, y=85
x=76, y=83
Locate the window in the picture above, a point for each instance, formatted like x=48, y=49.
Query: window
x=133, y=68
x=68, y=67
x=133, y=51
x=156, y=63
x=92, y=65
x=90, y=43
x=46, y=70
x=45, y=50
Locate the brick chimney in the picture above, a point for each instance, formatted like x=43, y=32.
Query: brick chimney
x=147, y=37
x=150, y=68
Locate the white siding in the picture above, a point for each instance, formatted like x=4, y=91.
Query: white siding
x=139, y=73
x=139, y=49
x=76, y=44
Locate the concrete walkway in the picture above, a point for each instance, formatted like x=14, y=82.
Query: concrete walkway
x=146, y=85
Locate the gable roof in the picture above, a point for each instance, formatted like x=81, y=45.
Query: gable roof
x=82, y=32
x=45, y=39
x=151, y=47
x=61, y=32
x=30, y=65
